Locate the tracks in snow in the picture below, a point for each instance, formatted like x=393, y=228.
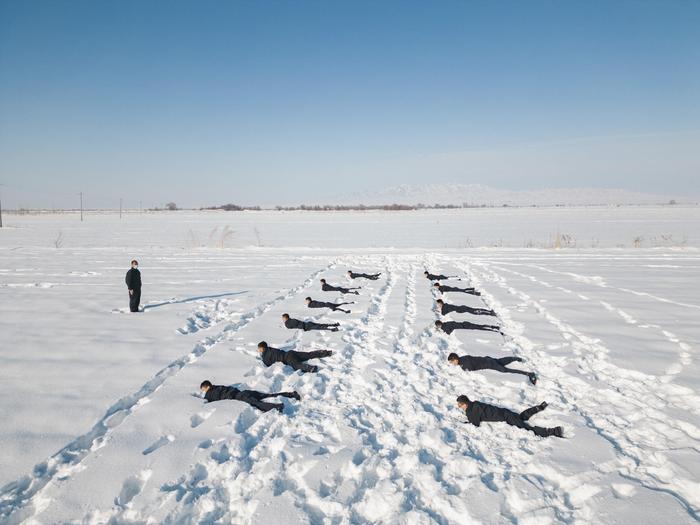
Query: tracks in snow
x=16, y=497
x=374, y=437
x=627, y=408
x=595, y=280
x=684, y=349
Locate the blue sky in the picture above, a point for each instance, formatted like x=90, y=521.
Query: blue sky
x=276, y=102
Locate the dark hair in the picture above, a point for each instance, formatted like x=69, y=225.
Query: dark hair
x=463, y=399
x=426, y=271
x=263, y=344
x=436, y=284
x=134, y=261
x=206, y=383
x=285, y=315
x=440, y=301
x=438, y=323
x=308, y=299
x=323, y=280
x=349, y=271
x=452, y=356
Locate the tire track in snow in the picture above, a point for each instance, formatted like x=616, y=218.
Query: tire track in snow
x=16, y=497
x=640, y=452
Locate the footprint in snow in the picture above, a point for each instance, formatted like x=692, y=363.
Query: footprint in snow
x=161, y=441
x=200, y=418
x=132, y=487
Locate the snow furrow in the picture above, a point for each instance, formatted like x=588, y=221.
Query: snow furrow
x=596, y=280
x=684, y=349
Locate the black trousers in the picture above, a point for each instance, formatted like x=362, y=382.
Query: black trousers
x=337, y=307
x=298, y=359
x=520, y=421
x=499, y=366
x=135, y=299
x=255, y=399
x=463, y=309
x=466, y=325
x=471, y=291
x=318, y=326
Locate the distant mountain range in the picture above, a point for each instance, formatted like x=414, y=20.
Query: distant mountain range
x=478, y=195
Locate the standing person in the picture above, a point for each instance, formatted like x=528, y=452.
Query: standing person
x=254, y=398
x=133, y=283
x=472, y=362
x=478, y=412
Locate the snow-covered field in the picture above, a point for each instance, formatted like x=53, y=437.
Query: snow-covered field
x=99, y=424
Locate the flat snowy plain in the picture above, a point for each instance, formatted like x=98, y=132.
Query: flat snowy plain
x=99, y=424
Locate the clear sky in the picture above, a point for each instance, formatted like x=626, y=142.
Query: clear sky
x=259, y=102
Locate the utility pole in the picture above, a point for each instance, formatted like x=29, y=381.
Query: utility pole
x=120, y=207
x=81, y=206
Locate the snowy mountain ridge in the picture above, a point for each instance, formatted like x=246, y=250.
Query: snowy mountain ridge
x=479, y=194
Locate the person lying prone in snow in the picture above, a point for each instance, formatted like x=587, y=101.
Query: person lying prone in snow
x=478, y=413
x=252, y=397
x=444, y=288
x=445, y=309
x=297, y=360
x=450, y=326
x=330, y=288
x=310, y=303
x=472, y=362
x=370, y=276
x=438, y=277
x=293, y=324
